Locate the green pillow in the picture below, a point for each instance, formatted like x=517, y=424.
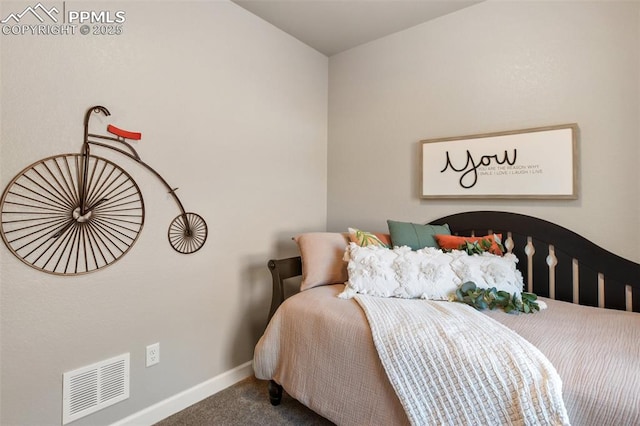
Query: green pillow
x=414, y=235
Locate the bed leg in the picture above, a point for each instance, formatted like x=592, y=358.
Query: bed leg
x=275, y=393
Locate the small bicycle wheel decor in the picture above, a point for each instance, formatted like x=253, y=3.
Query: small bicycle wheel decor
x=76, y=213
x=187, y=233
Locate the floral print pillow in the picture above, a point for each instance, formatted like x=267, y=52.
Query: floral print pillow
x=364, y=238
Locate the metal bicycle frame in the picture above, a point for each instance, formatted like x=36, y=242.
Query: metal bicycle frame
x=89, y=139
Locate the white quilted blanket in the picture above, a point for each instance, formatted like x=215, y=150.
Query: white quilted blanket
x=450, y=364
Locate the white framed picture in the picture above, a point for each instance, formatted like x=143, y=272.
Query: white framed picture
x=530, y=163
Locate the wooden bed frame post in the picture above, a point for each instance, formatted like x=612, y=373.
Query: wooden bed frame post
x=275, y=393
x=281, y=269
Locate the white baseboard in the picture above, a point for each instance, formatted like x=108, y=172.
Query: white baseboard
x=184, y=399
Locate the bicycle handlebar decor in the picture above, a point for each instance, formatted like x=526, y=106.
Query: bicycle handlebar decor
x=70, y=214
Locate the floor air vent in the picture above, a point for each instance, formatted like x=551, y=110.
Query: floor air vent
x=94, y=387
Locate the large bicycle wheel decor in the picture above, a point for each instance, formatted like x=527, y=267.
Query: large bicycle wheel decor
x=65, y=217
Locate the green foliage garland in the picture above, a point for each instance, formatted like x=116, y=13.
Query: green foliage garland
x=480, y=246
x=490, y=298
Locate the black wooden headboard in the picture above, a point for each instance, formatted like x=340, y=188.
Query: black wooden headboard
x=578, y=270
x=555, y=261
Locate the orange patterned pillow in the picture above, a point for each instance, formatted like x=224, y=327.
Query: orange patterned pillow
x=454, y=242
x=364, y=238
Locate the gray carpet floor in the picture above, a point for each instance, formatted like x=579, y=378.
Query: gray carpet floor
x=245, y=403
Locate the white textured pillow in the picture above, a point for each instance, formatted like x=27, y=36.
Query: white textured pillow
x=400, y=272
x=487, y=270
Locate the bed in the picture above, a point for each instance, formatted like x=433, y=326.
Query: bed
x=321, y=349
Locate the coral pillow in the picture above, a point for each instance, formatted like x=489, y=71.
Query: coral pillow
x=454, y=242
x=322, y=262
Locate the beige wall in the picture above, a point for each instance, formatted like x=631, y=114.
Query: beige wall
x=491, y=67
x=234, y=113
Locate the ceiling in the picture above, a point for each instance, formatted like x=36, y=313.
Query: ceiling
x=332, y=26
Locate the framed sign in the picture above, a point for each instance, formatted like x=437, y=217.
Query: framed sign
x=531, y=163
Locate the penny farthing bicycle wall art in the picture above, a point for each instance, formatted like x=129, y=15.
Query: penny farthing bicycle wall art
x=70, y=214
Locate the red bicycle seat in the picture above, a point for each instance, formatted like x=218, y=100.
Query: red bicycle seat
x=124, y=133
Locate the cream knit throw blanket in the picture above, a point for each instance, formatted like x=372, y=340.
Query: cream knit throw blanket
x=452, y=365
